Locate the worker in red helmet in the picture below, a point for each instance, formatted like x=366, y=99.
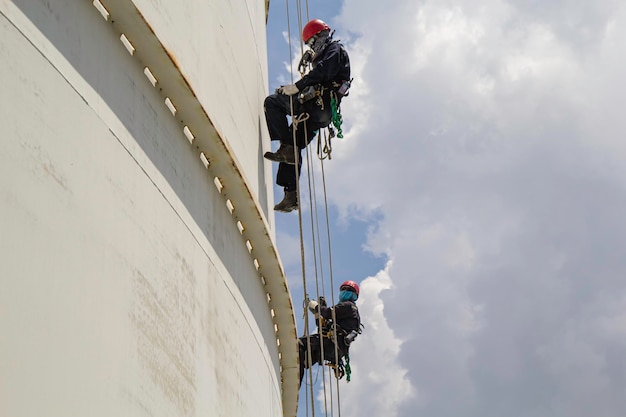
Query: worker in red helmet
x=311, y=95
x=346, y=326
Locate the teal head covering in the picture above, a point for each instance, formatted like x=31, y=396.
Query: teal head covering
x=345, y=295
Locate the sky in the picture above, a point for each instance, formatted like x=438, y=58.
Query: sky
x=479, y=198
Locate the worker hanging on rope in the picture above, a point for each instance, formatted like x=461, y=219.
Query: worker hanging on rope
x=344, y=330
x=310, y=100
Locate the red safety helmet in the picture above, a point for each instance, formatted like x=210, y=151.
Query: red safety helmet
x=351, y=286
x=312, y=28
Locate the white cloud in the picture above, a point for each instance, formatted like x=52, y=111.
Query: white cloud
x=489, y=136
x=377, y=375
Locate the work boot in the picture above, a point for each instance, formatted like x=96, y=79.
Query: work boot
x=289, y=202
x=283, y=154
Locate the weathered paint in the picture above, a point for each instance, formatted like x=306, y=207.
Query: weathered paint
x=126, y=285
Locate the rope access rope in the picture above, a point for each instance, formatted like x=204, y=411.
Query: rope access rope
x=317, y=247
x=302, y=119
x=325, y=149
x=302, y=252
x=332, y=284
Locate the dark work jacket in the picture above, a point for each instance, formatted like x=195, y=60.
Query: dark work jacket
x=346, y=314
x=333, y=64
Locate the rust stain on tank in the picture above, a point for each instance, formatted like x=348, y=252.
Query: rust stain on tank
x=169, y=54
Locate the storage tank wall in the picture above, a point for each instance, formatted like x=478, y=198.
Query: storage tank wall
x=127, y=288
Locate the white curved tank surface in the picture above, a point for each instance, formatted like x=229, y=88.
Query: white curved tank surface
x=139, y=274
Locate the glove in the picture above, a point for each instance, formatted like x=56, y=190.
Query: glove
x=289, y=89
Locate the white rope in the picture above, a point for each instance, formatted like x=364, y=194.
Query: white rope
x=296, y=121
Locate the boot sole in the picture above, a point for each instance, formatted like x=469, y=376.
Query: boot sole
x=275, y=158
x=286, y=209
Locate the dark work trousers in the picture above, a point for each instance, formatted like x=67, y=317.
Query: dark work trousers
x=277, y=115
x=316, y=351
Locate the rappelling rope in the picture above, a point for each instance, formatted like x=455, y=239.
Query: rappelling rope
x=316, y=249
x=302, y=252
x=296, y=122
x=315, y=231
x=324, y=149
x=332, y=284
